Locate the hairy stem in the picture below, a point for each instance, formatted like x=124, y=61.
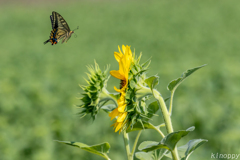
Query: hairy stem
x=167, y=119
x=171, y=102
x=127, y=145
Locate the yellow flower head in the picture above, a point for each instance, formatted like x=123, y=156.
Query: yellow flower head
x=124, y=59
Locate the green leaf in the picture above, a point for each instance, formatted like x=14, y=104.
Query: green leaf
x=152, y=81
x=144, y=155
x=144, y=144
x=152, y=109
x=98, y=149
x=154, y=146
x=192, y=145
x=140, y=126
x=155, y=155
x=169, y=141
x=108, y=108
x=172, y=86
x=181, y=151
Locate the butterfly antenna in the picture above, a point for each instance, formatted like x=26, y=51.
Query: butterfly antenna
x=75, y=35
x=74, y=32
x=76, y=28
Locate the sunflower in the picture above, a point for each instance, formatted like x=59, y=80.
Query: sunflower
x=124, y=59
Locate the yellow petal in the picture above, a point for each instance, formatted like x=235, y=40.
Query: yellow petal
x=116, y=74
x=114, y=113
x=122, y=67
x=122, y=117
x=114, y=124
x=118, y=56
x=125, y=64
x=118, y=90
x=121, y=100
x=123, y=48
x=121, y=108
x=119, y=49
x=122, y=97
x=119, y=125
x=130, y=52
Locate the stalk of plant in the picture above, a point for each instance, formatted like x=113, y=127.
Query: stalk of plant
x=167, y=120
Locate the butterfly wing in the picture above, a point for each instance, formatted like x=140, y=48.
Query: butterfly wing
x=52, y=22
x=63, y=28
x=60, y=21
x=60, y=30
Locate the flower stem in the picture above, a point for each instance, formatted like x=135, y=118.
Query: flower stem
x=171, y=102
x=159, y=131
x=127, y=145
x=135, y=143
x=167, y=119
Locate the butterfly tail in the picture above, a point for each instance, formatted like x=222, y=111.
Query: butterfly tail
x=46, y=41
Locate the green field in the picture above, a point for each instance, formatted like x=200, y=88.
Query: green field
x=39, y=83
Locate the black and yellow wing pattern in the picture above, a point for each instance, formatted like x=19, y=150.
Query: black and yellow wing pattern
x=60, y=29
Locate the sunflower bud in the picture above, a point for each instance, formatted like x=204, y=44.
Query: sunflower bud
x=95, y=92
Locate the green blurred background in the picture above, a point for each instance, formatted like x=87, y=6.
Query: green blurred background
x=39, y=83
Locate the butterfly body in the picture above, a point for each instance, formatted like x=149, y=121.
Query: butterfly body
x=60, y=29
